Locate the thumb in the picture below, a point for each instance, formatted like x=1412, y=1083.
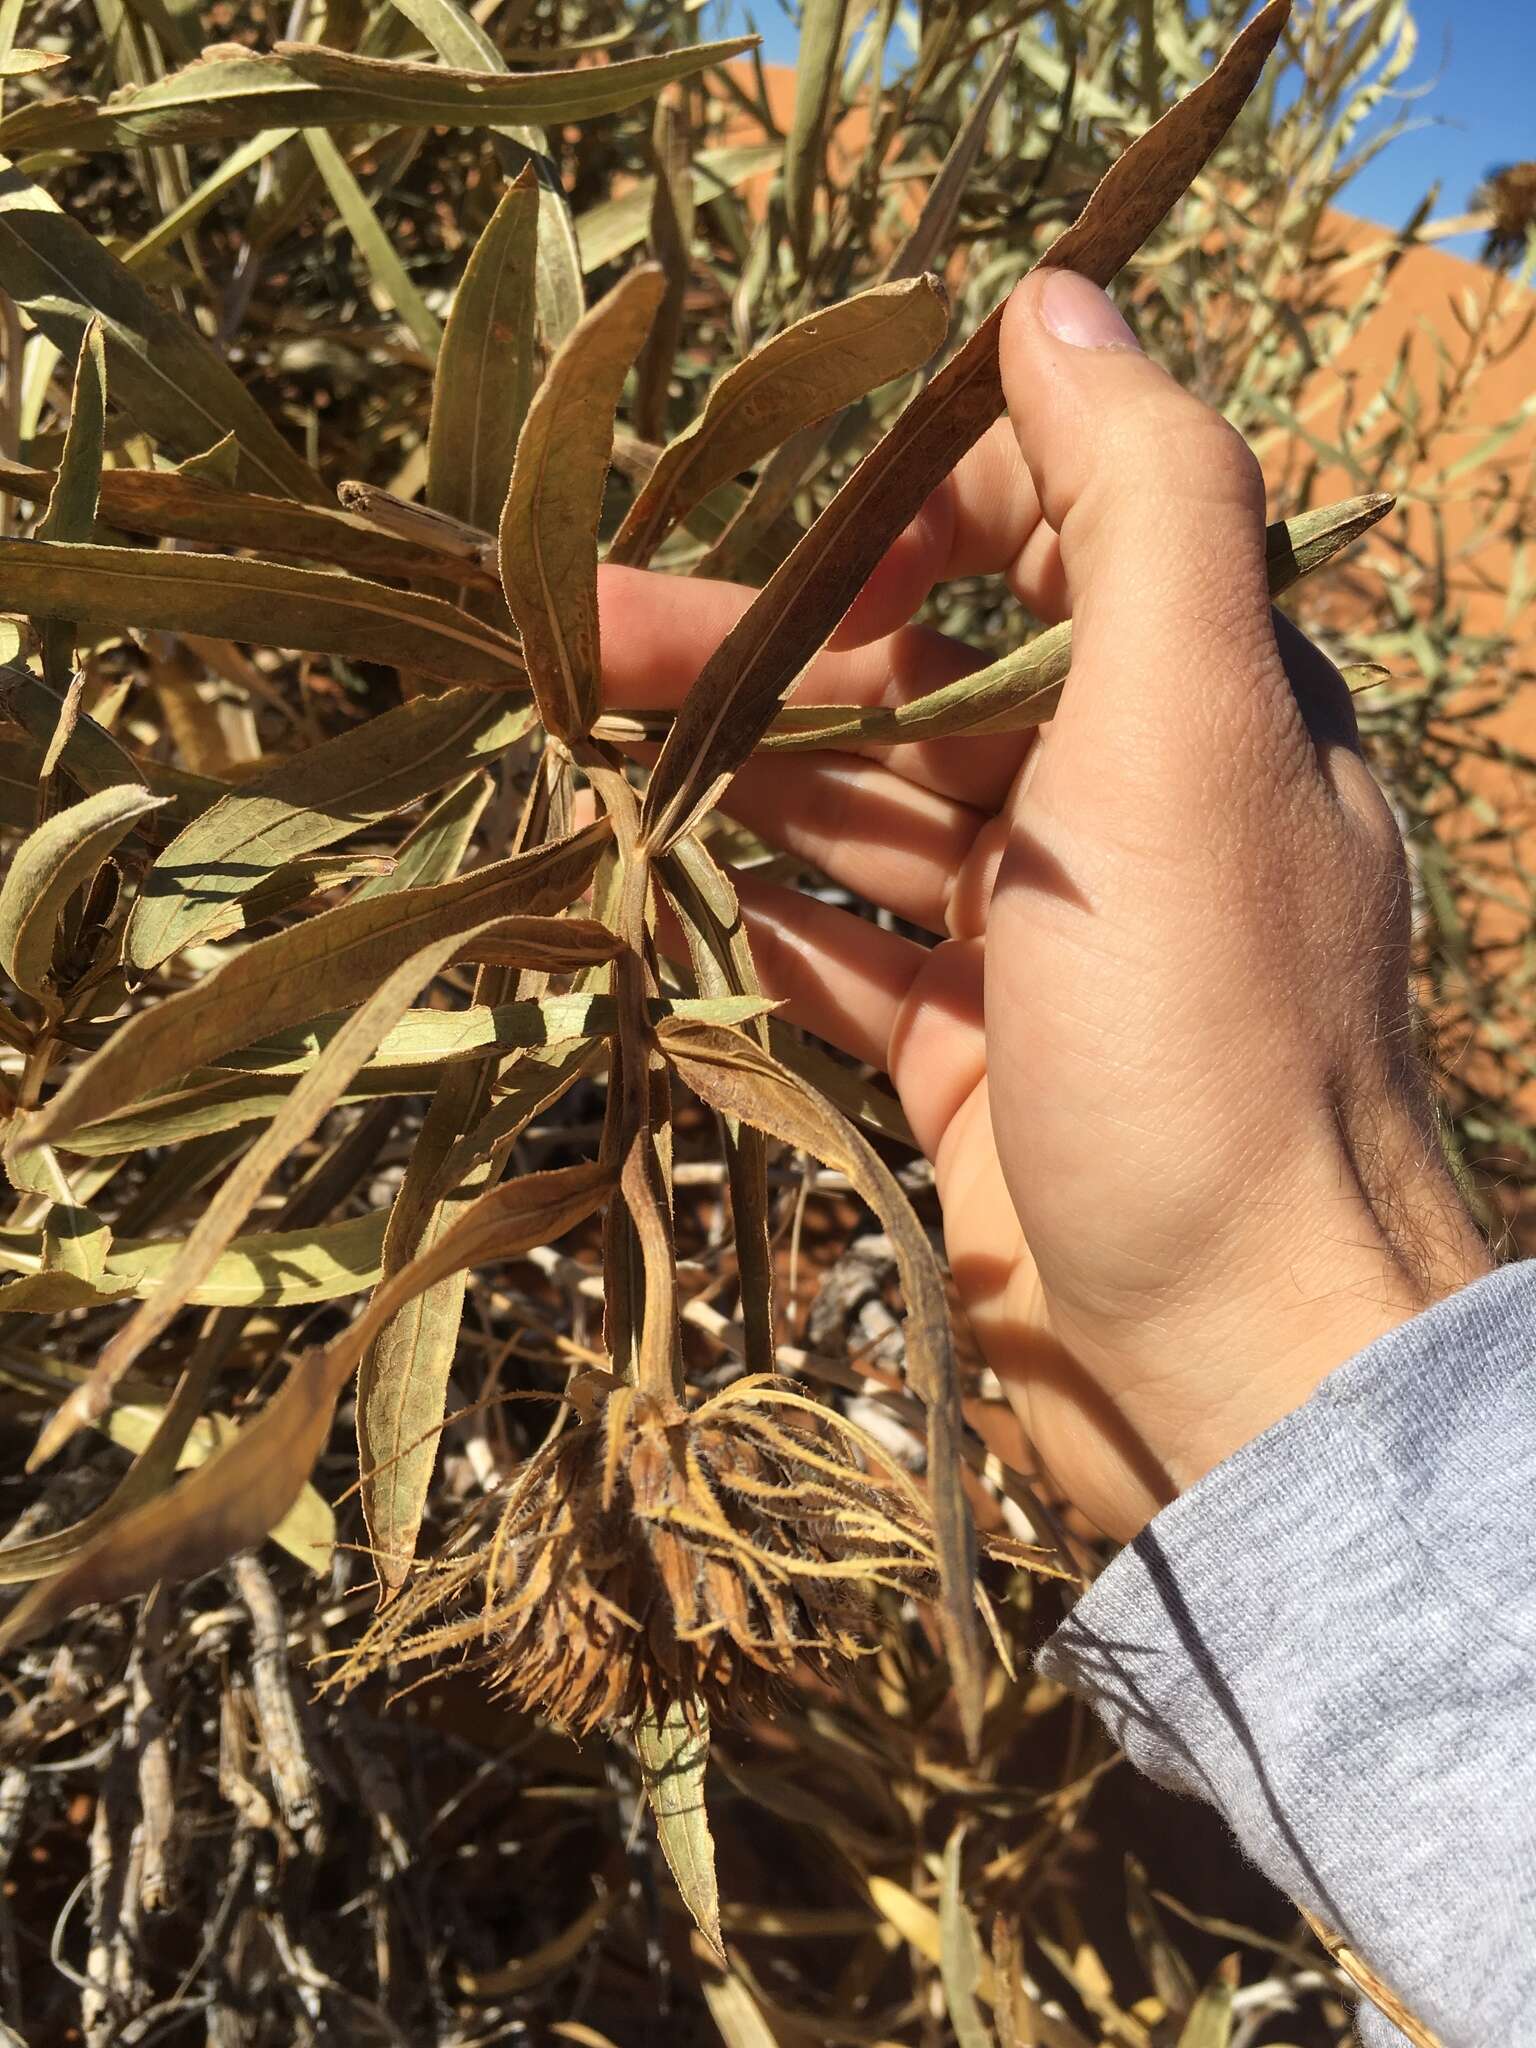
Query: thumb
x=1158, y=506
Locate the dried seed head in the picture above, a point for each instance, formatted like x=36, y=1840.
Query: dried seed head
x=1509, y=194
x=655, y=1554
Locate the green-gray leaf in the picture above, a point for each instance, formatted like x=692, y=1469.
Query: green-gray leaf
x=673, y=1757
x=160, y=370
x=51, y=863
x=484, y=377
x=231, y=92
x=305, y=802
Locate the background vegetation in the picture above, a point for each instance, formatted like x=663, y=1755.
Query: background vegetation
x=287, y=320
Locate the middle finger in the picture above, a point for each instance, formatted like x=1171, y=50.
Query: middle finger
x=867, y=828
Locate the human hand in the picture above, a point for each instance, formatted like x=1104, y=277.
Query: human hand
x=1162, y=1054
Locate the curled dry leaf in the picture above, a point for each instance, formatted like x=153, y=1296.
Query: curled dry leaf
x=60, y=857
x=182, y=504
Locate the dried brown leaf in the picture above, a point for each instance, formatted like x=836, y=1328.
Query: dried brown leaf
x=231, y=598
x=813, y=368
x=548, y=533
x=739, y=689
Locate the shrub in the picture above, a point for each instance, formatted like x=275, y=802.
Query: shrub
x=323, y=984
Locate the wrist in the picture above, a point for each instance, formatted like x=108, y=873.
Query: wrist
x=1341, y=1275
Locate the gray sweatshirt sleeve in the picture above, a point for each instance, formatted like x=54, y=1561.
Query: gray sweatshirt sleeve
x=1332, y=1638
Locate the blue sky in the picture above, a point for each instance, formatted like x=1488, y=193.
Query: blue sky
x=1478, y=60
x=1476, y=63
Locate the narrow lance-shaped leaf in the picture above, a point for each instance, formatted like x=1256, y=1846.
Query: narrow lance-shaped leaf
x=811, y=369
x=229, y=1503
x=959, y=1951
x=48, y=867
x=230, y=92
x=427, y=1038
x=548, y=536
x=674, y=1755
x=484, y=378
x=216, y=465
x=929, y=236
x=741, y=686
x=436, y=847
x=170, y=228
x=27, y=63
x=671, y=245
x=389, y=274
x=1022, y=689
x=228, y=598
x=1211, y=2016
x=464, y=44
x=615, y=226
x=241, y=1089
x=161, y=371
x=263, y=1268
x=532, y=1073
x=314, y=1095
x=311, y=800
x=193, y=502
x=816, y=70
x=318, y=965
x=189, y=503
x=71, y=513
x=402, y=1383
x=307, y=1531
x=735, y=1076
x=96, y=758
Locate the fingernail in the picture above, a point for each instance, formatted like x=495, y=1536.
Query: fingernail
x=1075, y=310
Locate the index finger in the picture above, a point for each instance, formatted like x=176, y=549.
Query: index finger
x=658, y=631
x=983, y=520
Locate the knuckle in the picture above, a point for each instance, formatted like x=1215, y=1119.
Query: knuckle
x=1191, y=452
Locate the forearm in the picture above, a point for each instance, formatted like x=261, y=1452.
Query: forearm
x=1332, y=1638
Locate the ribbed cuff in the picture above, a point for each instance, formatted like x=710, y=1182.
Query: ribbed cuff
x=1332, y=1639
